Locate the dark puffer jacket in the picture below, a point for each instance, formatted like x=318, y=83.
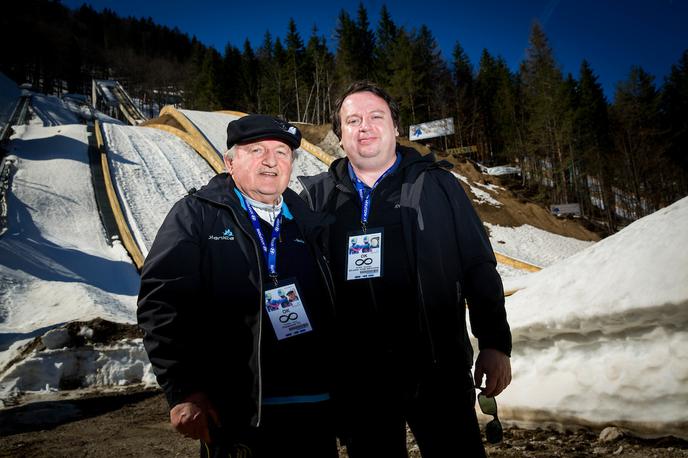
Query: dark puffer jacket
x=201, y=298
x=451, y=256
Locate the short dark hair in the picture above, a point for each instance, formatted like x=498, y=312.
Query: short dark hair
x=363, y=86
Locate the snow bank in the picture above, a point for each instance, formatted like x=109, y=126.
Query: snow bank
x=481, y=196
x=600, y=337
x=124, y=363
x=534, y=245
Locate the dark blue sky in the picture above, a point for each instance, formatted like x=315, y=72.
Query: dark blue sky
x=612, y=35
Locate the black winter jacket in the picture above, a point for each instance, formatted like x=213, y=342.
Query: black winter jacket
x=450, y=252
x=201, y=298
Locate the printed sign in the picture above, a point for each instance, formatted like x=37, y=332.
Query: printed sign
x=432, y=129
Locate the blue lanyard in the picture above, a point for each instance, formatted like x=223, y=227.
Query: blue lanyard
x=365, y=193
x=271, y=253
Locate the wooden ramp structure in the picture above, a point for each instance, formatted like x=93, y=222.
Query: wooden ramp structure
x=110, y=97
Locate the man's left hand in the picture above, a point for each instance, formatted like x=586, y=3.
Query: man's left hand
x=496, y=366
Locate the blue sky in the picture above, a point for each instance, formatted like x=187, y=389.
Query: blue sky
x=612, y=35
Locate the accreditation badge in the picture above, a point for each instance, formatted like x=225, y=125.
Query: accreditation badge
x=284, y=306
x=364, y=254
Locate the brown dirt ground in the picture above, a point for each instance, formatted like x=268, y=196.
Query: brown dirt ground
x=136, y=424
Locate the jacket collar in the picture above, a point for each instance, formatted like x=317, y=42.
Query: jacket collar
x=242, y=200
x=221, y=190
x=410, y=160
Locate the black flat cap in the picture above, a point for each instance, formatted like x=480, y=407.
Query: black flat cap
x=257, y=127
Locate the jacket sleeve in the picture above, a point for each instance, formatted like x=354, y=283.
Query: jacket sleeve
x=170, y=288
x=482, y=285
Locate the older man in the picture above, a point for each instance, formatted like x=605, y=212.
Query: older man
x=402, y=327
x=242, y=367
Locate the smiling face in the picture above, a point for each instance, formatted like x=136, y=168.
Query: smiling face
x=261, y=169
x=368, y=132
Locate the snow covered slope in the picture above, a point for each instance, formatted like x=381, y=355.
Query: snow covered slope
x=151, y=169
x=56, y=265
x=601, y=337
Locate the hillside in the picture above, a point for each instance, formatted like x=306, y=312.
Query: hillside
x=511, y=211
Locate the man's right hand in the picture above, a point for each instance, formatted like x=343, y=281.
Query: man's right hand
x=191, y=417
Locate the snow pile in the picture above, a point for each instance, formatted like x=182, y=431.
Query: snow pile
x=152, y=169
x=533, y=245
x=600, y=337
x=119, y=364
x=481, y=196
x=95, y=354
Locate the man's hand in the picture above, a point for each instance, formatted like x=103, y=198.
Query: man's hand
x=496, y=366
x=191, y=417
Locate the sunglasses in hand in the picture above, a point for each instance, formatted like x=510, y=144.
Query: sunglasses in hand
x=493, y=430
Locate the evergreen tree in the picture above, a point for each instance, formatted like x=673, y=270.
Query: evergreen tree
x=466, y=112
x=434, y=76
x=386, y=35
x=547, y=113
x=231, y=89
x=405, y=78
x=346, y=64
x=293, y=70
x=268, y=81
x=675, y=111
x=592, y=140
x=638, y=138
x=320, y=64
x=250, y=79
x=206, y=86
x=486, y=83
x=355, y=46
x=507, y=113
x=365, y=44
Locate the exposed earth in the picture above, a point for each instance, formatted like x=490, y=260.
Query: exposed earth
x=136, y=424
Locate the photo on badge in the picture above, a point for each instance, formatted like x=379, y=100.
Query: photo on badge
x=275, y=299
